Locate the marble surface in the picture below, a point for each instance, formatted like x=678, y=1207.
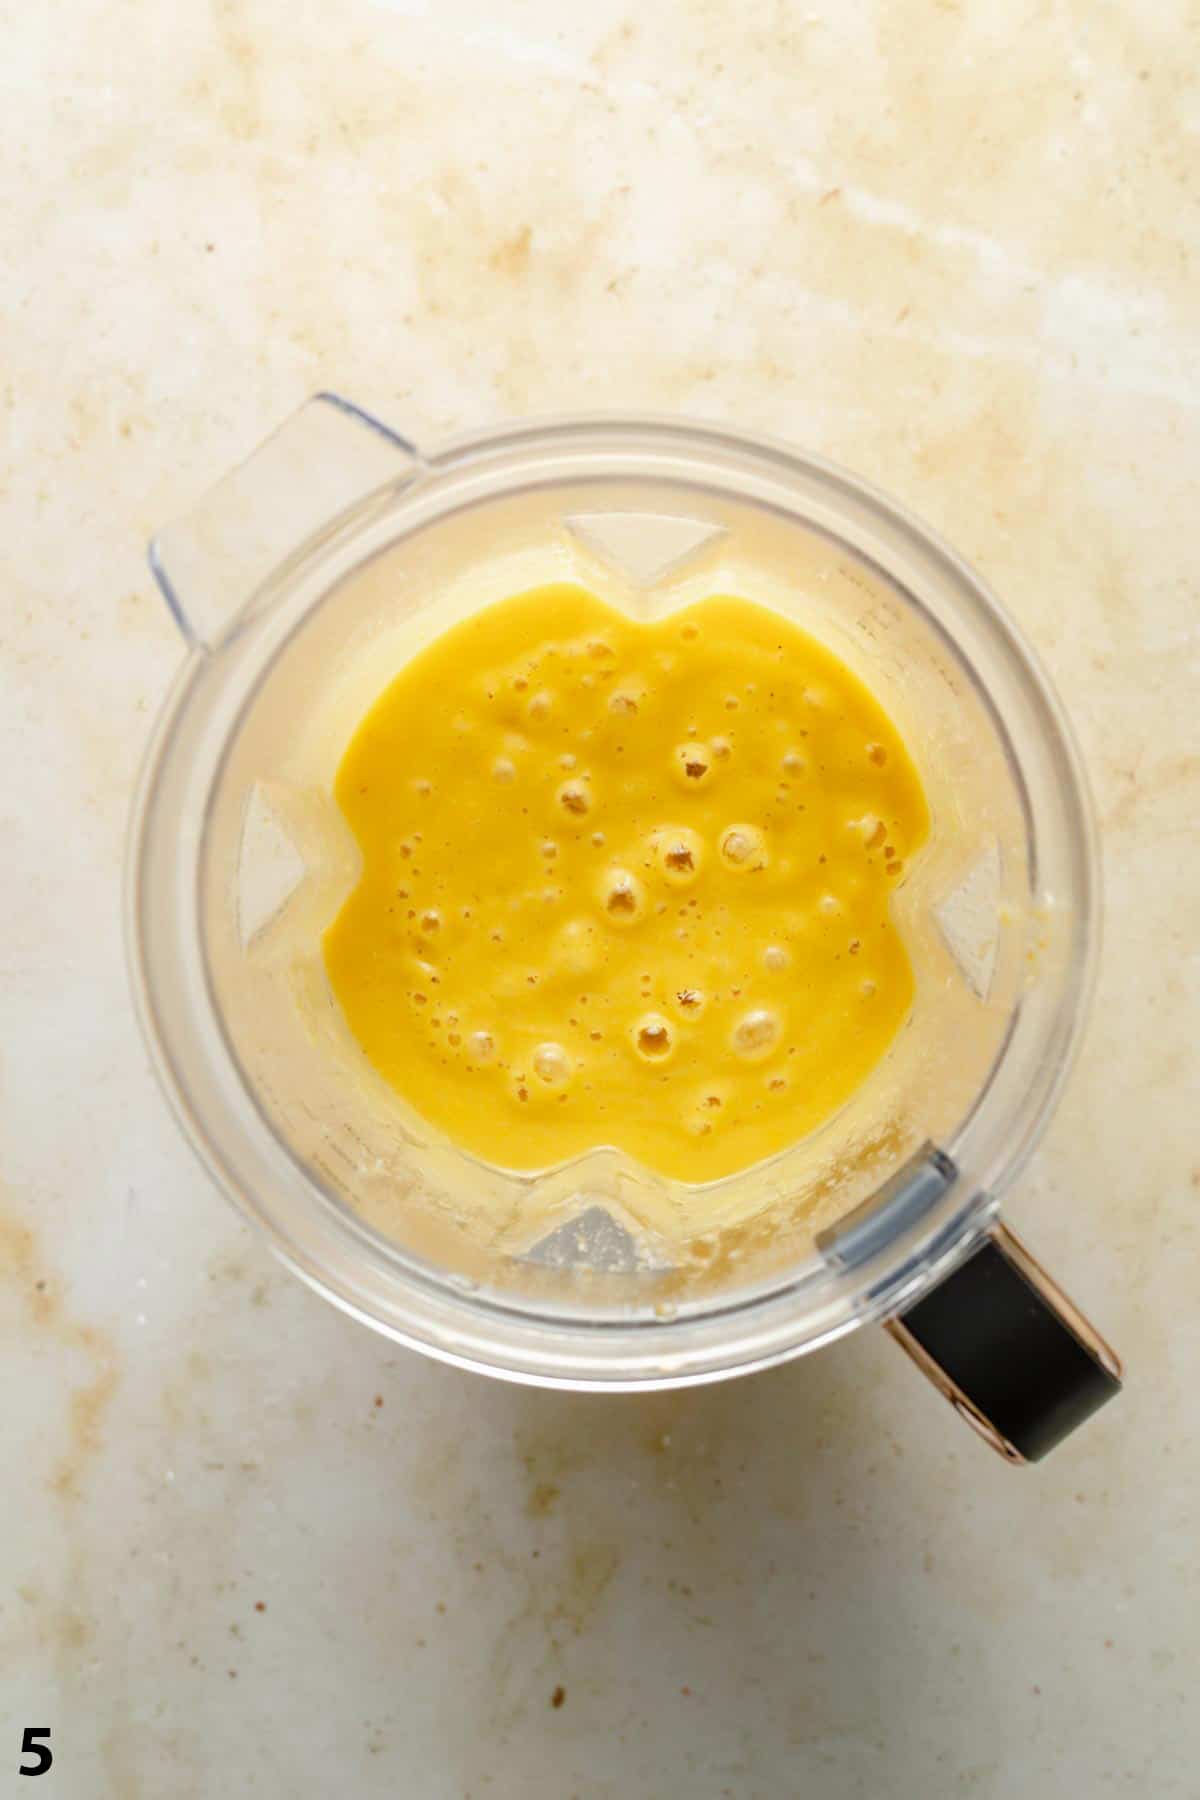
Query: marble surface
x=246, y=1547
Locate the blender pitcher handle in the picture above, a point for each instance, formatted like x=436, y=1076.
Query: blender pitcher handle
x=211, y=563
x=1013, y=1355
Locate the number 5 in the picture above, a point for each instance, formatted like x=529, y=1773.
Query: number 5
x=29, y=1747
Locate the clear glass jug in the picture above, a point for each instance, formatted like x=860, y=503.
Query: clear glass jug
x=300, y=584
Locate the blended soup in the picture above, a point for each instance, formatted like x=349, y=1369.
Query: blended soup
x=626, y=884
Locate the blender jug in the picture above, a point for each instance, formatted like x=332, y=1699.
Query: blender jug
x=301, y=584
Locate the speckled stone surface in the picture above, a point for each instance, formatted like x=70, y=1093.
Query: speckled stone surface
x=245, y=1546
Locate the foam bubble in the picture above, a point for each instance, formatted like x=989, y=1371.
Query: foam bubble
x=829, y=906
x=679, y=853
x=551, y=1064
x=574, y=798
x=653, y=1038
x=622, y=896
x=693, y=764
x=756, y=1033
x=742, y=848
x=623, y=705
x=504, y=772
x=540, y=704
x=775, y=958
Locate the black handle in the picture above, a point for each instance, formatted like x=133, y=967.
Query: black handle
x=1008, y=1349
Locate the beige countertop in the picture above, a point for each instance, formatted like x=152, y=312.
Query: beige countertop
x=247, y=1547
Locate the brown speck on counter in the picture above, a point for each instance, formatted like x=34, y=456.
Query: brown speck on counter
x=513, y=255
x=557, y=1697
x=379, y=1399
x=260, y=1606
x=542, y=1499
x=88, y=1402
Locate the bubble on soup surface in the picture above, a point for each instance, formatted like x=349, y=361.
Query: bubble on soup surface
x=693, y=764
x=623, y=898
x=756, y=1033
x=574, y=798
x=652, y=1037
x=551, y=1064
x=743, y=848
x=680, y=853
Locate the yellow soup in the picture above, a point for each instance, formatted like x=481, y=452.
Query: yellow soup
x=625, y=884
